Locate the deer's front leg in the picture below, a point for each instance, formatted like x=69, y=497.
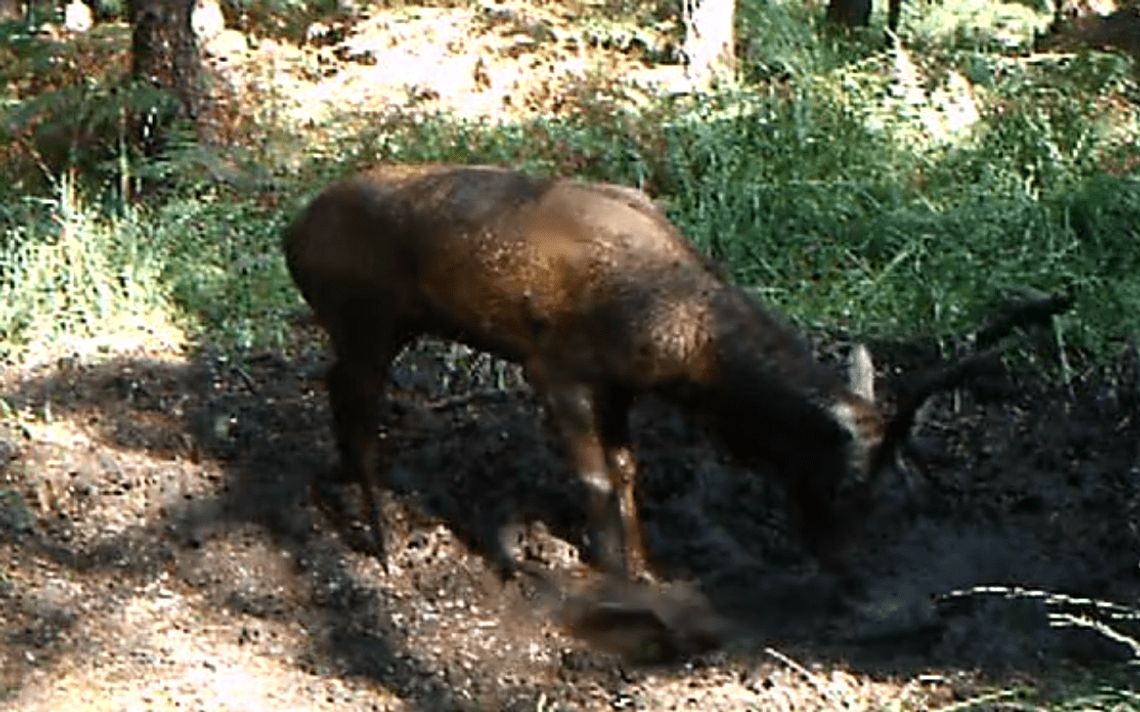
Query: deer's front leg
x=572, y=412
x=611, y=409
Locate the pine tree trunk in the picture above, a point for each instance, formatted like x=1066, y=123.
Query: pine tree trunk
x=165, y=55
x=894, y=11
x=852, y=13
x=857, y=13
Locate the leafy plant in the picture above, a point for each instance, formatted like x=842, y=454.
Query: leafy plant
x=68, y=275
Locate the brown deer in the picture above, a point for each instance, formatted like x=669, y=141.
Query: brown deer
x=600, y=298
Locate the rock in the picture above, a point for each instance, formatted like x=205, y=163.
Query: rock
x=207, y=20
x=77, y=17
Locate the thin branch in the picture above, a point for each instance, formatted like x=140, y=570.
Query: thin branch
x=1067, y=620
x=812, y=679
x=980, y=700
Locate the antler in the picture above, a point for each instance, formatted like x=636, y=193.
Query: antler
x=995, y=338
x=1027, y=312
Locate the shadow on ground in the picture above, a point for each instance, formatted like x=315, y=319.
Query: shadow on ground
x=143, y=470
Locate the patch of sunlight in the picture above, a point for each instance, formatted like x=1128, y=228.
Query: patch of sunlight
x=162, y=651
x=149, y=331
x=1007, y=24
x=924, y=113
x=952, y=111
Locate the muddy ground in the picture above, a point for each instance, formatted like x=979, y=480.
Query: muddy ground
x=160, y=549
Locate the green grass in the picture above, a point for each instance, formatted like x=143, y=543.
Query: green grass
x=224, y=270
x=838, y=180
x=838, y=214
x=68, y=274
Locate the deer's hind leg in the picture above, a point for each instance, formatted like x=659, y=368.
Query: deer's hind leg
x=364, y=343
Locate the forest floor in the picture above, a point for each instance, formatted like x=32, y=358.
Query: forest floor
x=159, y=547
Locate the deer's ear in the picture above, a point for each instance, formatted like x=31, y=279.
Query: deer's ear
x=861, y=373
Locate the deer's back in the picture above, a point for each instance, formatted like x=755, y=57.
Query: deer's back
x=591, y=275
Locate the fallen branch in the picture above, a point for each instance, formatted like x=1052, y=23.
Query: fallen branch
x=1068, y=620
x=986, y=699
x=1063, y=611
x=810, y=678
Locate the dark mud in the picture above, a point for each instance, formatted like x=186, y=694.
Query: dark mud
x=196, y=474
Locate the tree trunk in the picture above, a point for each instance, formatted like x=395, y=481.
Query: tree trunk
x=852, y=13
x=165, y=55
x=857, y=13
x=894, y=10
x=709, y=44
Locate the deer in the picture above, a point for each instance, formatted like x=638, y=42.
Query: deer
x=600, y=299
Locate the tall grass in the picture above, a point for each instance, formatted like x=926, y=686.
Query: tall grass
x=884, y=193
x=224, y=269
x=847, y=206
x=72, y=279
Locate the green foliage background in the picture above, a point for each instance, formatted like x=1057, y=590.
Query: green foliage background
x=830, y=178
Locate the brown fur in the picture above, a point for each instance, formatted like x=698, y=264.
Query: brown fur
x=598, y=296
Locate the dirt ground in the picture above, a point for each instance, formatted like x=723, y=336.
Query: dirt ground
x=494, y=62
x=160, y=549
